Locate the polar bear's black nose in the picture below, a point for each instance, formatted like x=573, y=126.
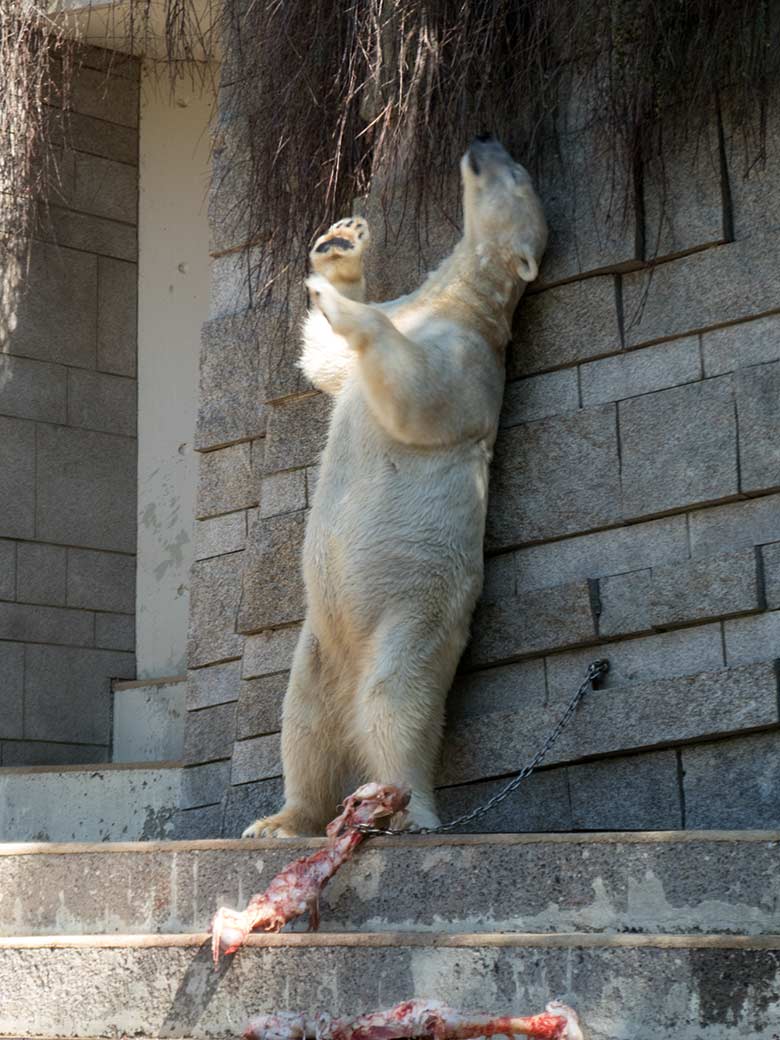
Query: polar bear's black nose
x=482, y=138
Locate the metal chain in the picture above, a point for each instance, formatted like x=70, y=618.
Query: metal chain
x=596, y=671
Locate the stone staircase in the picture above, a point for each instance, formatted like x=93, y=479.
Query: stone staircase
x=652, y=936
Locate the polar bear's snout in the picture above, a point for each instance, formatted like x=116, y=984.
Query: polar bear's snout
x=486, y=151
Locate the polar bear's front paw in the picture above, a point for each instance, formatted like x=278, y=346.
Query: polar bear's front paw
x=345, y=240
x=338, y=256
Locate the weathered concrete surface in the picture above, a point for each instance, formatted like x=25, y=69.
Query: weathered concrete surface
x=624, y=882
x=625, y=987
x=88, y=803
x=148, y=723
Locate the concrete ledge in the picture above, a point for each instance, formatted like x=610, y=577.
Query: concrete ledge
x=596, y=884
x=395, y=940
x=662, y=987
x=89, y=803
x=410, y=841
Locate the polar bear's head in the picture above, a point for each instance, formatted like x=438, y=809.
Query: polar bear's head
x=503, y=217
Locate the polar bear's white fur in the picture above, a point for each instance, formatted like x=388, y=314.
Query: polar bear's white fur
x=393, y=552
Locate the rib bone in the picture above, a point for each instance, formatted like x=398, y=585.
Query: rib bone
x=416, y=1018
x=296, y=890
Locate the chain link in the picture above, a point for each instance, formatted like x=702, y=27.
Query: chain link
x=596, y=671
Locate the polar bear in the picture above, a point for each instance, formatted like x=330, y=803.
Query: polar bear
x=392, y=556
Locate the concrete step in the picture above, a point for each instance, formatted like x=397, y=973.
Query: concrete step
x=626, y=987
x=100, y=803
x=670, y=882
x=149, y=720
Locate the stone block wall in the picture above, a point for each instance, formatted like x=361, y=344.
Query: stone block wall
x=68, y=438
x=634, y=514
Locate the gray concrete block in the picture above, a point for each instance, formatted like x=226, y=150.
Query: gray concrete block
x=296, y=432
x=614, y=719
x=41, y=573
x=680, y=593
x=583, y=190
x=750, y=639
x=7, y=570
x=95, y=136
x=602, y=553
x=733, y=783
x=735, y=526
x=737, y=346
x=225, y=481
x=758, y=418
x=231, y=383
x=259, y=758
x=283, y=493
x=209, y=733
x=40, y=624
x=682, y=189
x=563, y=325
x=17, y=488
x=40, y=753
x=279, y=330
x=219, y=535
x=260, y=705
x=640, y=371
x=229, y=285
x=731, y=282
x=540, y=805
x=678, y=447
x=312, y=476
x=631, y=793
x=719, y=585
x=625, y=603
x=215, y=588
x=554, y=477
x=117, y=342
x=755, y=188
x=103, y=95
x=661, y=656
x=113, y=803
x=532, y=622
x=148, y=722
x=78, y=466
x=11, y=690
x=64, y=329
x=90, y=234
x=509, y=687
x=770, y=559
x=249, y=802
x=538, y=397
x=194, y=824
x=98, y=401
x=32, y=389
x=269, y=652
x=215, y=685
x=67, y=692
x=231, y=191
x=115, y=631
x=204, y=785
x=272, y=592
x=106, y=188
x=101, y=581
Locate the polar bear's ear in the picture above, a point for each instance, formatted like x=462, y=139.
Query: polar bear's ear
x=527, y=267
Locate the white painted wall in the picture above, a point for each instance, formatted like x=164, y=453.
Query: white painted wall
x=173, y=282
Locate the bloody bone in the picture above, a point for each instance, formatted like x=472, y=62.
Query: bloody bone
x=416, y=1018
x=297, y=888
